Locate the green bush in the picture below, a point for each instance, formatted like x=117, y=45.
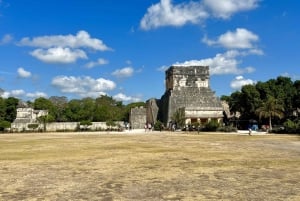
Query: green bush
x=84, y=125
x=227, y=129
x=158, y=126
x=4, y=125
x=211, y=126
x=289, y=127
x=33, y=126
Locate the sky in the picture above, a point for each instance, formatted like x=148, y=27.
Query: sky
x=89, y=48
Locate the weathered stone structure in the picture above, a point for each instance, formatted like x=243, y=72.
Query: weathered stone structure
x=152, y=110
x=187, y=88
x=26, y=116
x=138, y=117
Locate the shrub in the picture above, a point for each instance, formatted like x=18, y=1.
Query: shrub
x=227, y=129
x=33, y=126
x=290, y=127
x=211, y=126
x=4, y=125
x=158, y=126
x=85, y=124
x=110, y=124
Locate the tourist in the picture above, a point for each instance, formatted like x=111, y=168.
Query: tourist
x=250, y=130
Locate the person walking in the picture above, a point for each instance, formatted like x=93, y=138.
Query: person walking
x=250, y=130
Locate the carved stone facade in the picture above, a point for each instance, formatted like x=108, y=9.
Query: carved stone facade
x=187, y=87
x=26, y=116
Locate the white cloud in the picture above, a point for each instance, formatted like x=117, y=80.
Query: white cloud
x=163, y=68
x=7, y=38
x=17, y=92
x=63, y=49
x=83, y=86
x=23, y=73
x=165, y=13
x=81, y=40
x=255, y=52
x=5, y=94
x=13, y=93
x=122, y=97
x=226, y=63
x=99, y=62
x=226, y=8
x=59, y=55
x=20, y=93
x=240, y=81
x=124, y=72
x=240, y=39
x=37, y=94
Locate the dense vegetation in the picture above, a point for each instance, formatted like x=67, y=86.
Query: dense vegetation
x=271, y=103
x=101, y=109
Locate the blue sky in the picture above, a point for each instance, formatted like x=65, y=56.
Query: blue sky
x=78, y=49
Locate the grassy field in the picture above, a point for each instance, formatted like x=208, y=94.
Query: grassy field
x=152, y=167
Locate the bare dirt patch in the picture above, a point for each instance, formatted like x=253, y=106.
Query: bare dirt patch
x=149, y=167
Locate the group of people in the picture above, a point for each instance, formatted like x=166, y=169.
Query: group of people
x=148, y=127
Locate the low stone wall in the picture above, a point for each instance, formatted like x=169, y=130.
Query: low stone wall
x=65, y=126
x=61, y=126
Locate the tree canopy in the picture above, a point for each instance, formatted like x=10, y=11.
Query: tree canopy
x=276, y=100
x=103, y=108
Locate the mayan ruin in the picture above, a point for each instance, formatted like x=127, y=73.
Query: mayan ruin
x=188, y=89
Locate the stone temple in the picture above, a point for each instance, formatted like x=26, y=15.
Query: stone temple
x=187, y=89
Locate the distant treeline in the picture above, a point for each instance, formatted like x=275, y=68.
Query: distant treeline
x=271, y=103
x=101, y=109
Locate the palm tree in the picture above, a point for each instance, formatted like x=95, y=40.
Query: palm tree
x=270, y=109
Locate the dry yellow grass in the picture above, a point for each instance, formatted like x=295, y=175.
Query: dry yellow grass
x=149, y=167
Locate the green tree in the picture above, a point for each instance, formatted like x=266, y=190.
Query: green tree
x=2, y=109
x=11, y=104
x=296, y=99
x=270, y=109
x=42, y=104
x=44, y=120
x=108, y=109
x=265, y=89
x=60, y=104
x=87, y=109
x=72, y=110
x=249, y=101
x=285, y=93
x=80, y=110
x=45, y=104
x=4, y=125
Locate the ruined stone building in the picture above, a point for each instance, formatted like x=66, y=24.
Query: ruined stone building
x=137, y=117
x=187, y=89
x=26, y=116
